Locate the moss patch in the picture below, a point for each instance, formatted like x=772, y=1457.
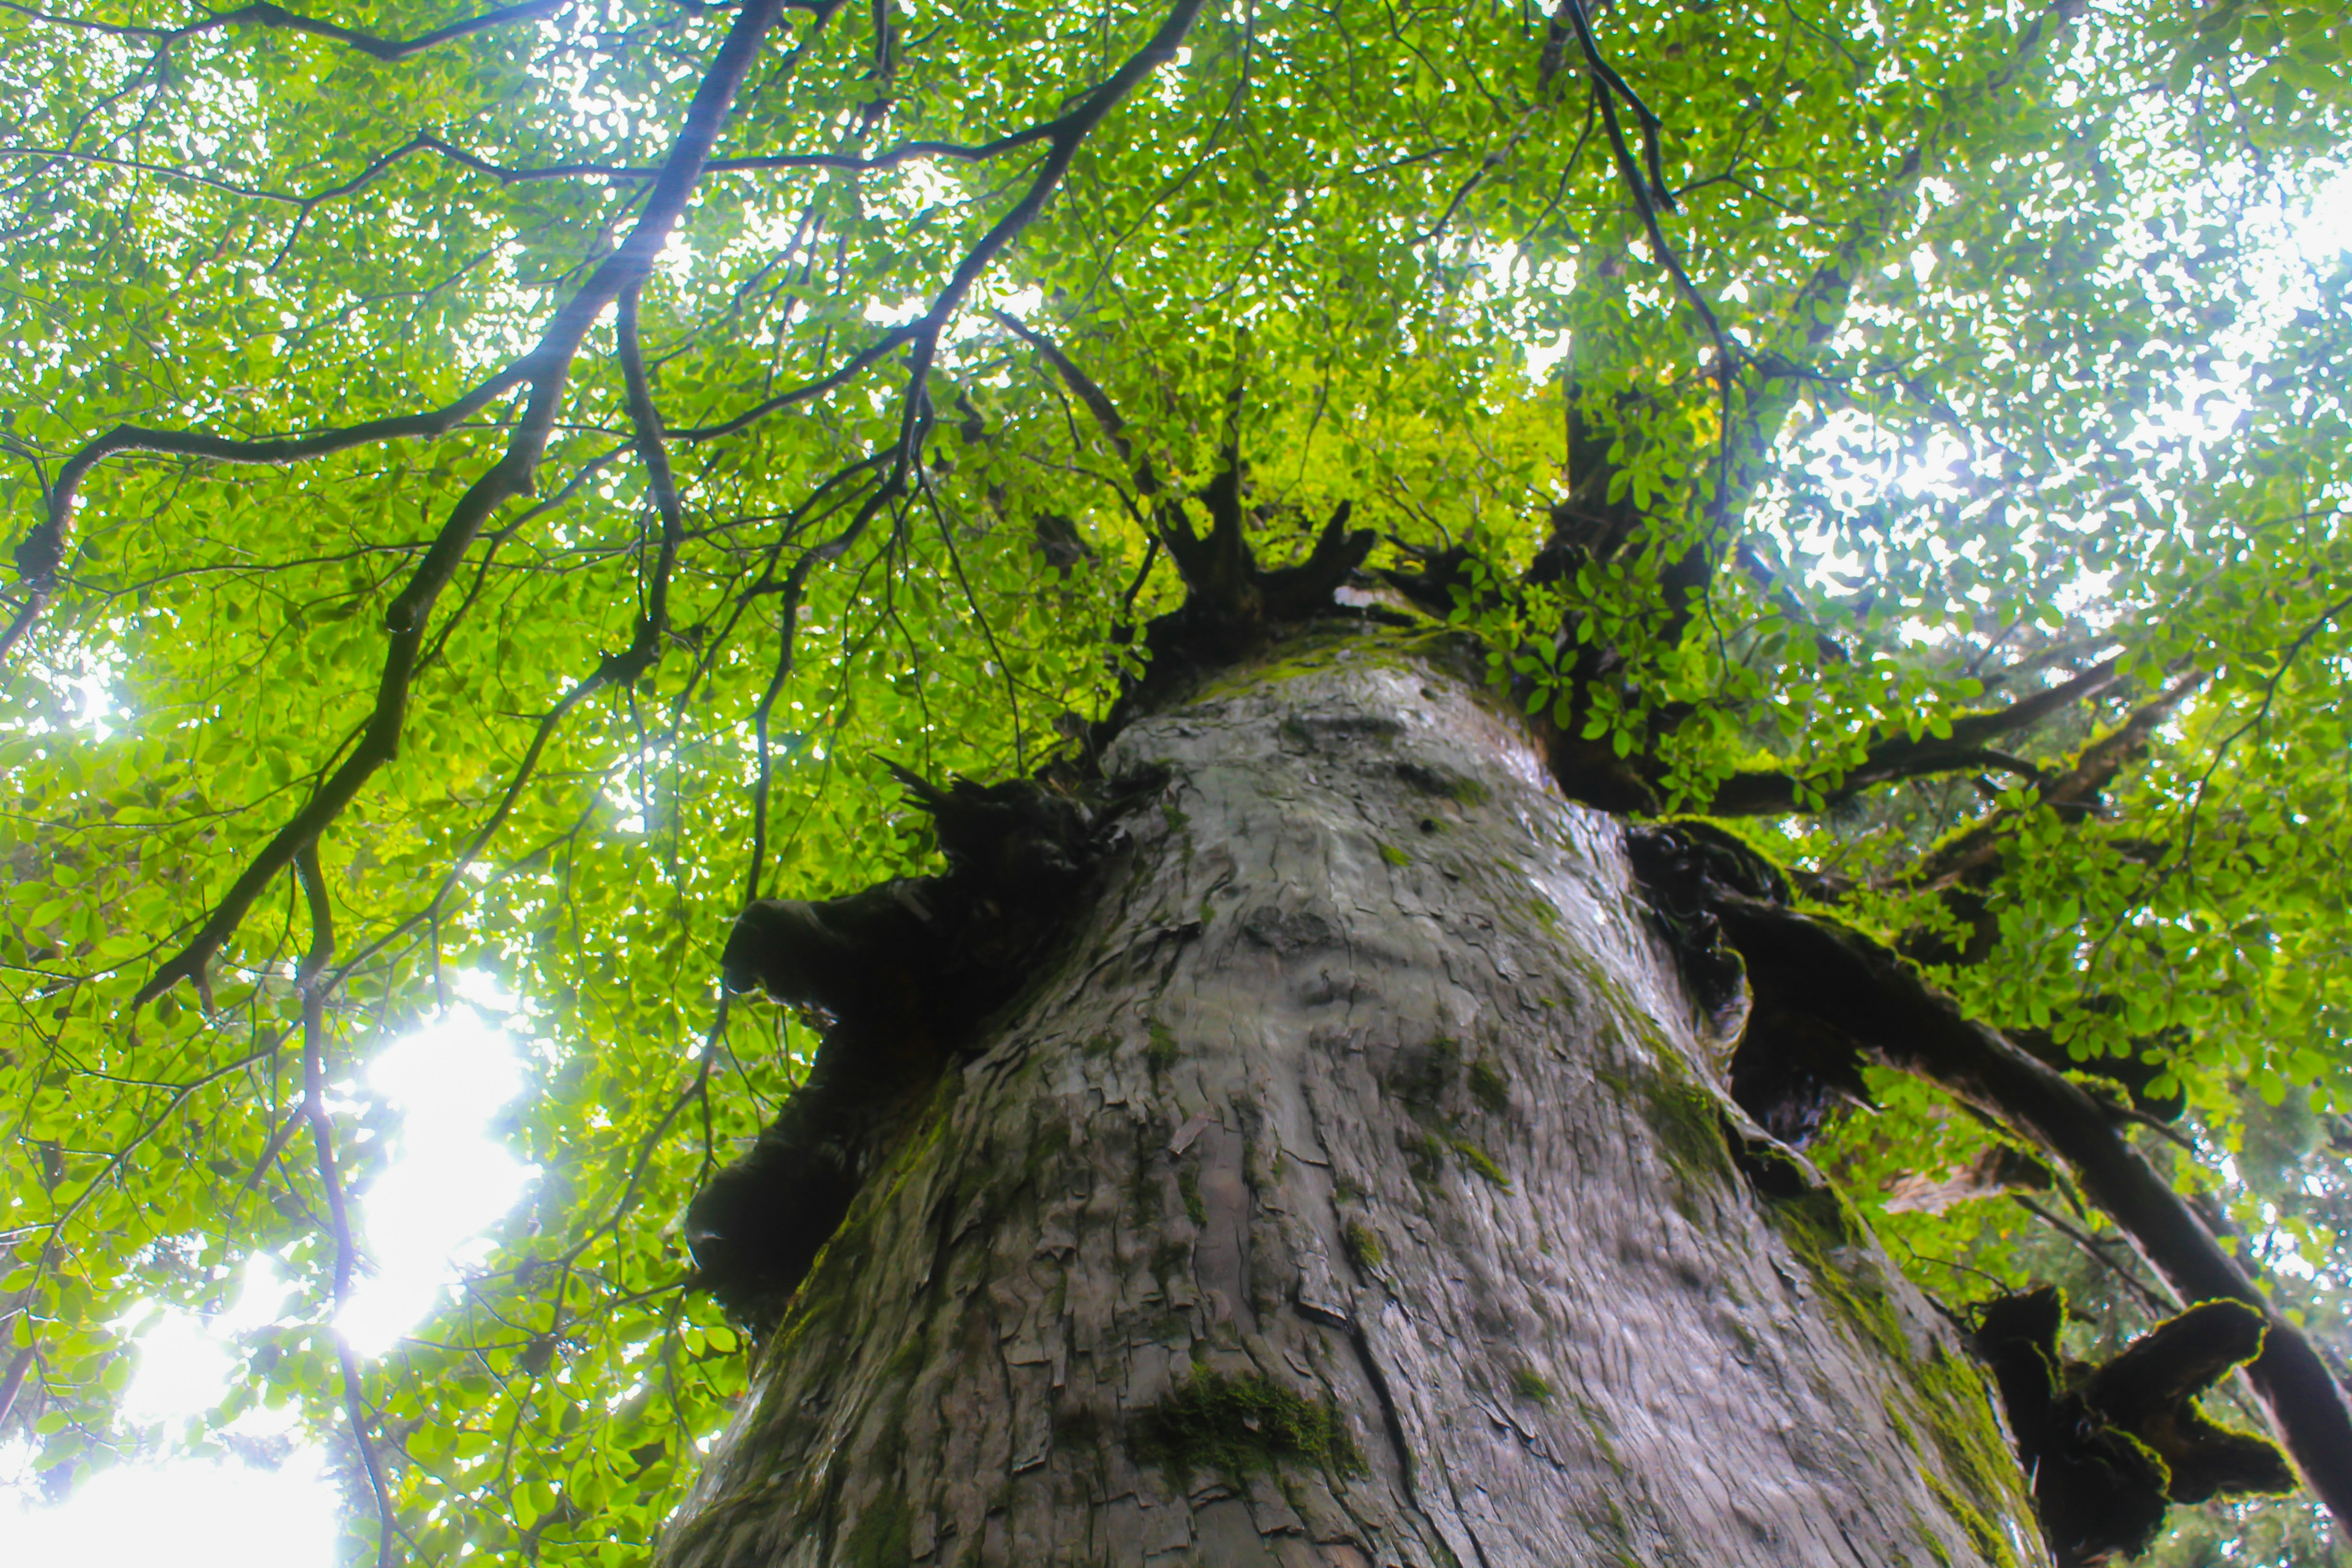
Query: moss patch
x=1479, y=1160
x=1235, y=1425
x=1488, y=1086
x=880, y=1539
x=1424, y=1156
x=1364, y=1248
x=1529, y=1384
x=1161, y=1053
x=1444, y=782
x=1391, y=854
x=1687, y=1119
x=1981, y=1534
x=1818, y=1224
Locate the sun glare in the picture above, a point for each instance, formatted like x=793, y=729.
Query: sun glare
x=420, y=1223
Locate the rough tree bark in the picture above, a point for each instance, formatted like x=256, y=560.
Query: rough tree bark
x=1354, y=1187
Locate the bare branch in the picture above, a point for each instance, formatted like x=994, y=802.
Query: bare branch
x=1650, y=194
x=796, y=583
x=888, y=158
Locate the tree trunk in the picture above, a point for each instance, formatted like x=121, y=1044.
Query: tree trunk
x=1355, y=1189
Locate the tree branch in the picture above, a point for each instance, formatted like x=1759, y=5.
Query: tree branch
x=2096, y=1252
x=644, y=420
x=1863, y=991
x=1971, y=858
x=312, y=984
x=794, y=584
x=547, y=366
x=1063, y=137
x=1067, y=134
x=1763, y=793
x=1087, y=390
x=43, y=551
x=12, y=1383
x=264, y=15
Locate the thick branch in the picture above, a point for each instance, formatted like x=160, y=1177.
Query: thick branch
x=1973, y=858
x=547, y=366
x=1847, y=983
x=1901, y=757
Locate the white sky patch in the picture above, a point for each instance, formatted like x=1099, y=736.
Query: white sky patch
x=185, y=1363
x=191, y=1515
x=419, y=1221
x=2085, y=594
x=1543, y=359
x=449, y=1180
x=183, y=1368
x=2322, y=231
x=880, y=313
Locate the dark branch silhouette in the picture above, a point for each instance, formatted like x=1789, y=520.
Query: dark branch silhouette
x=546, y=366
x=1967, y=747
x=264, y=15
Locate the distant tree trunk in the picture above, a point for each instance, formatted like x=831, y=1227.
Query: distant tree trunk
x=1356, y=1189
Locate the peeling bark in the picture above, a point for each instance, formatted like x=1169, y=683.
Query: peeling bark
x=1355, y=1188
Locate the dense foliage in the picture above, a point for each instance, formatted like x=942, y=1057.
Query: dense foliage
x=1969, y=348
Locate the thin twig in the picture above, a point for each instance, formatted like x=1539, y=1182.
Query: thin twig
x=2097, y=1250
x=311, y=982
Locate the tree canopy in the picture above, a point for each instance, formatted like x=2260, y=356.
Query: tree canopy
x=493, y=490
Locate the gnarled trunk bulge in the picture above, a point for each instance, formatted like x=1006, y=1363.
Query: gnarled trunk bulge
x=1353, y=1187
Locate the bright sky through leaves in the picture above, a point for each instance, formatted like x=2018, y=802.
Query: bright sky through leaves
x=270, y=1502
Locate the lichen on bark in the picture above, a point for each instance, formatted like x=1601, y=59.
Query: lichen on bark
x=1189, y=1159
